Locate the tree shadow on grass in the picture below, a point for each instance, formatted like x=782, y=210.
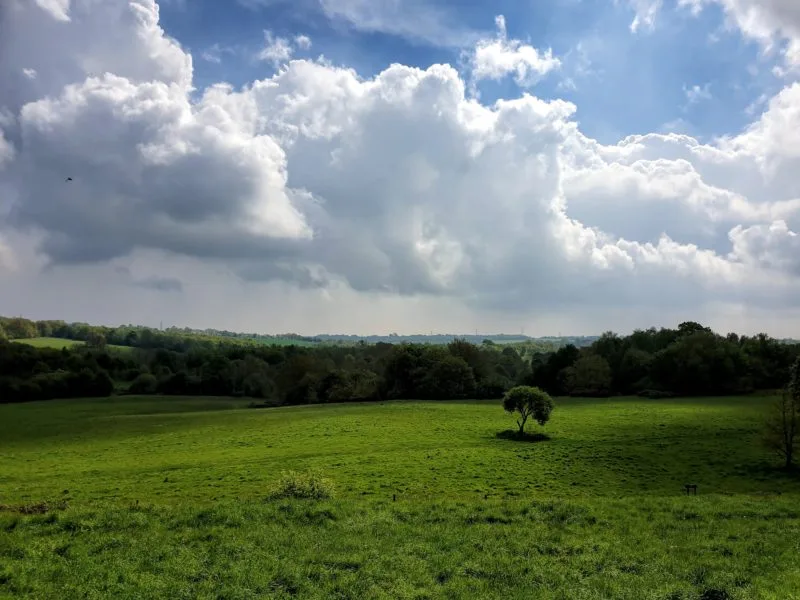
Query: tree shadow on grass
x=516, y=436
x=771, y=469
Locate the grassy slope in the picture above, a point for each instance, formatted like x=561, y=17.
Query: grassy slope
x=59, y=343
x=46, y=342
x=596, y=512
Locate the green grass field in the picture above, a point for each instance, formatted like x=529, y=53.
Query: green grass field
x=59, y=343
x=167, y=497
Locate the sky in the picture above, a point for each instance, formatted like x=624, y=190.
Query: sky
x=411, y=166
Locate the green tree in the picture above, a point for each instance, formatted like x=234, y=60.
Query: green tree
x=691, y=327
x=259, y=385
x=783, y=421
x=336, y=386
x=217, y=376
x=511, y=366
x=633, y=369
x=589, y=376
x=365, y=384
x=3, y=335
x=450, y=378
x=474, y=356
x=20, y=329
x=493, y=387
x=700, y=363
x=527, y=401
x=768, y=360
x=547, y=372
x=95, y=339
x=401, y=370
x=611, y=347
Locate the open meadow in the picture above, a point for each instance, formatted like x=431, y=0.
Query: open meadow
x=168, y=497
x=60, y=343
x=50, y=342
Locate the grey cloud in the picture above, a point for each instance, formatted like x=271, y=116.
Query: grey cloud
x=160, y=284
x=143, y=177
x=157, y=283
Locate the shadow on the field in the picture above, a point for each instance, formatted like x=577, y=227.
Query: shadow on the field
x=721, y=456
x=516, y=436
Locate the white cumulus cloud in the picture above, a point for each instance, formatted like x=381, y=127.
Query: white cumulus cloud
x=400, y=184
x=213, y=53
x=775, y=24
x=496, y=58
x=276, y=50
x=58, y=9
x=698, y=93
x=646, y=13
x=279, y=50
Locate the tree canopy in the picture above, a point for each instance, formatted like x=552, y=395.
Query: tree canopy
x=688, y=360
x=528, y=402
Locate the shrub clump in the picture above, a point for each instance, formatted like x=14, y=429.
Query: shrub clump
x=311, y=485
x=144, y=384
x=655, y=394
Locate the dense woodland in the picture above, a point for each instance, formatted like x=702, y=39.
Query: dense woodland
x=689, y=360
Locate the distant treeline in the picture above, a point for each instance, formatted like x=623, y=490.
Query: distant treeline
x=28, y=373
x=183, y=338
x=446, y=338
x=689, y=360
x=135, y=336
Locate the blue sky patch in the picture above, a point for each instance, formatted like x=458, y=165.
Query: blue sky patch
x=687, y=74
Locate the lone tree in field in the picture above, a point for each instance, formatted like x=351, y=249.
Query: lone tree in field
x=528, y=402
x=783, y=422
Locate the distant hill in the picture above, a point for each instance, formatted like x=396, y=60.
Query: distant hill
x=58, y=334
x=445, y=338
x=281, y=339
x=393, y=338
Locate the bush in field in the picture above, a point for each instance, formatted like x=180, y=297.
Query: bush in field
x=144, y=384
x=309, y=485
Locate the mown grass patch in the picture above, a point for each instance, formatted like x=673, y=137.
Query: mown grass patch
x=60, y=343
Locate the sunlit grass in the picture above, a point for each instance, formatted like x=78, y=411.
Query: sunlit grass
x=169, y=497
x=59, y=343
